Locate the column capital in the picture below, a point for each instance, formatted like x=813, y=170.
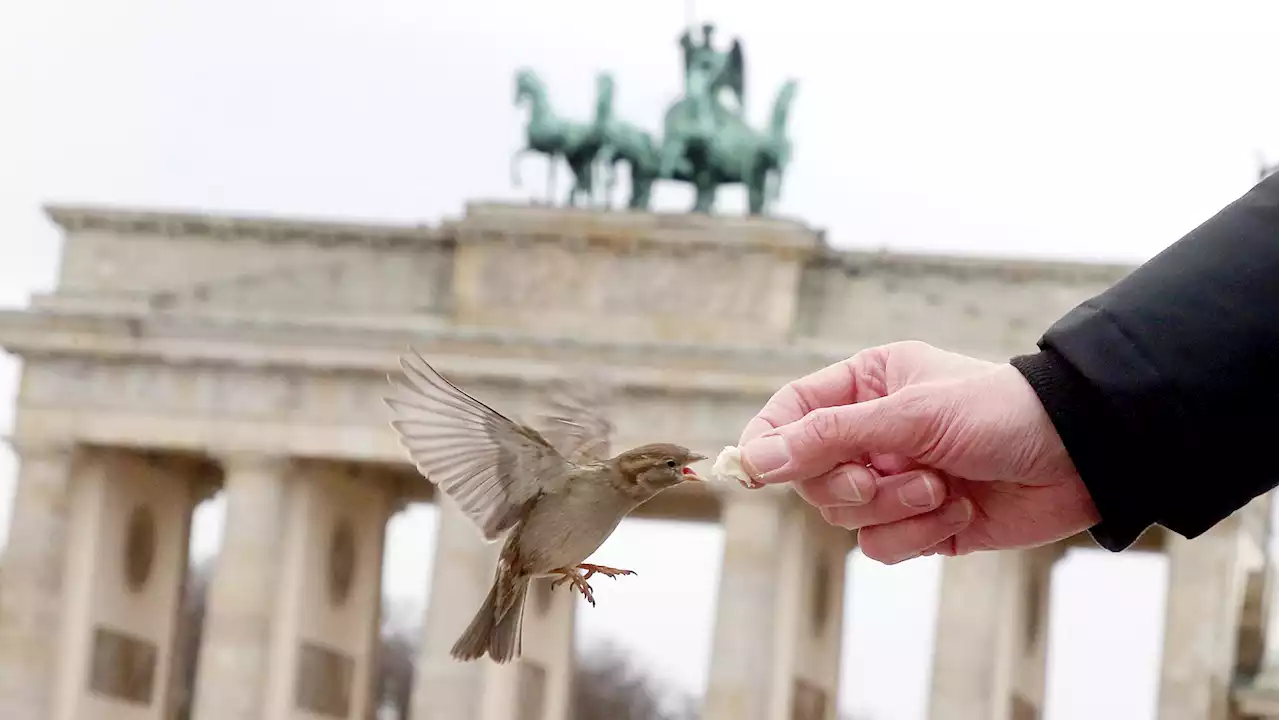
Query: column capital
x=236, y=460
x=204, y=488
x=397, y=505
x=31, y=448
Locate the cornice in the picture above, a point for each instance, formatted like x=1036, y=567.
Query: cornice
x=179, y=225
x=484, y=221
x=328, y=345
x=974, y=267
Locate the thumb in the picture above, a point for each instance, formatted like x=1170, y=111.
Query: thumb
x=906, y=423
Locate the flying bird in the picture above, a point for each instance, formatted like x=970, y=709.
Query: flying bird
x=555, y=505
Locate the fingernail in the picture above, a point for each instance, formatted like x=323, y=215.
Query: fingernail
x=764, y=455
x=845, y=487
x=918, y=493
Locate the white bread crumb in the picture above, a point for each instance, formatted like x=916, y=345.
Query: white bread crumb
x=728, y=466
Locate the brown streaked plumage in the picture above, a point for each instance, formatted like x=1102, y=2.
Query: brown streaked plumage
x=557, y=505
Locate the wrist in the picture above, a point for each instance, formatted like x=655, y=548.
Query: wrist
x=1089, y=431
x=1053, y=464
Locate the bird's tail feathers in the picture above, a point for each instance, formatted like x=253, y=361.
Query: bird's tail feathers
x=504, y=641
x=498, y=637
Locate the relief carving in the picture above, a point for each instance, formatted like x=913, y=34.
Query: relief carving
x=531, y=278
x=342, y=561
x=1033, y=609
x=139, y=547
x=808, y=701
x=820, y=611
x=1023, y=709
x=122, y=666
x=324, y=681
x=728, y=284
x=325, y=281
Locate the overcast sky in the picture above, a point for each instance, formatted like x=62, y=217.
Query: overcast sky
x=1099, y=130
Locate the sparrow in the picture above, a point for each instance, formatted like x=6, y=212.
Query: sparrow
x=556, y=506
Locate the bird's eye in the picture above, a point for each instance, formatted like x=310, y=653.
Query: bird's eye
x=671, y=463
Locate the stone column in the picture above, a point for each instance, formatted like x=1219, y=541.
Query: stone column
x=1258, y=698
x=1204, y=600
x=131, y=517
x=1270, y=664
x=1266, y=686
x=33, y=567
x=443, y=688
x=776, y=645
x=539, y=685
x=234, y=653
x=997, y=602
x=1032, y=596
x=324, y=633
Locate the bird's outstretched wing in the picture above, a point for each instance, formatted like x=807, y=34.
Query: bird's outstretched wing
x=578, y=423
x=491, y=466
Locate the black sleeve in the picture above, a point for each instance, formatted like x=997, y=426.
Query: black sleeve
x=1162, y=387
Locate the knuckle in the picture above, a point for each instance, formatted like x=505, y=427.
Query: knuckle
x=795, y=394
x=915, y=407
x=823, y=426
x=910, y=346
x=925, y=415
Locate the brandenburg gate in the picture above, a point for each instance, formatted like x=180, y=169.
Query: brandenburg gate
x=184, y=354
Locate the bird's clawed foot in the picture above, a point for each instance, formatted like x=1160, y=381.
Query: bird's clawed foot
x=603, y=570
x=579, y=582
x=570, y=575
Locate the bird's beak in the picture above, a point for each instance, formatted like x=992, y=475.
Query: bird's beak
x=689, y=474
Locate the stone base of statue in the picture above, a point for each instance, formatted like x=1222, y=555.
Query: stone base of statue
x=630, y=276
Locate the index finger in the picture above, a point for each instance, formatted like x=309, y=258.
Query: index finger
x=833, y=385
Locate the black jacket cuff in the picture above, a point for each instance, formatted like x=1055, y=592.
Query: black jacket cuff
x=1086, y=424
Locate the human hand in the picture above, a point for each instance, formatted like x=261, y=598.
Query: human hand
x=923, y=452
